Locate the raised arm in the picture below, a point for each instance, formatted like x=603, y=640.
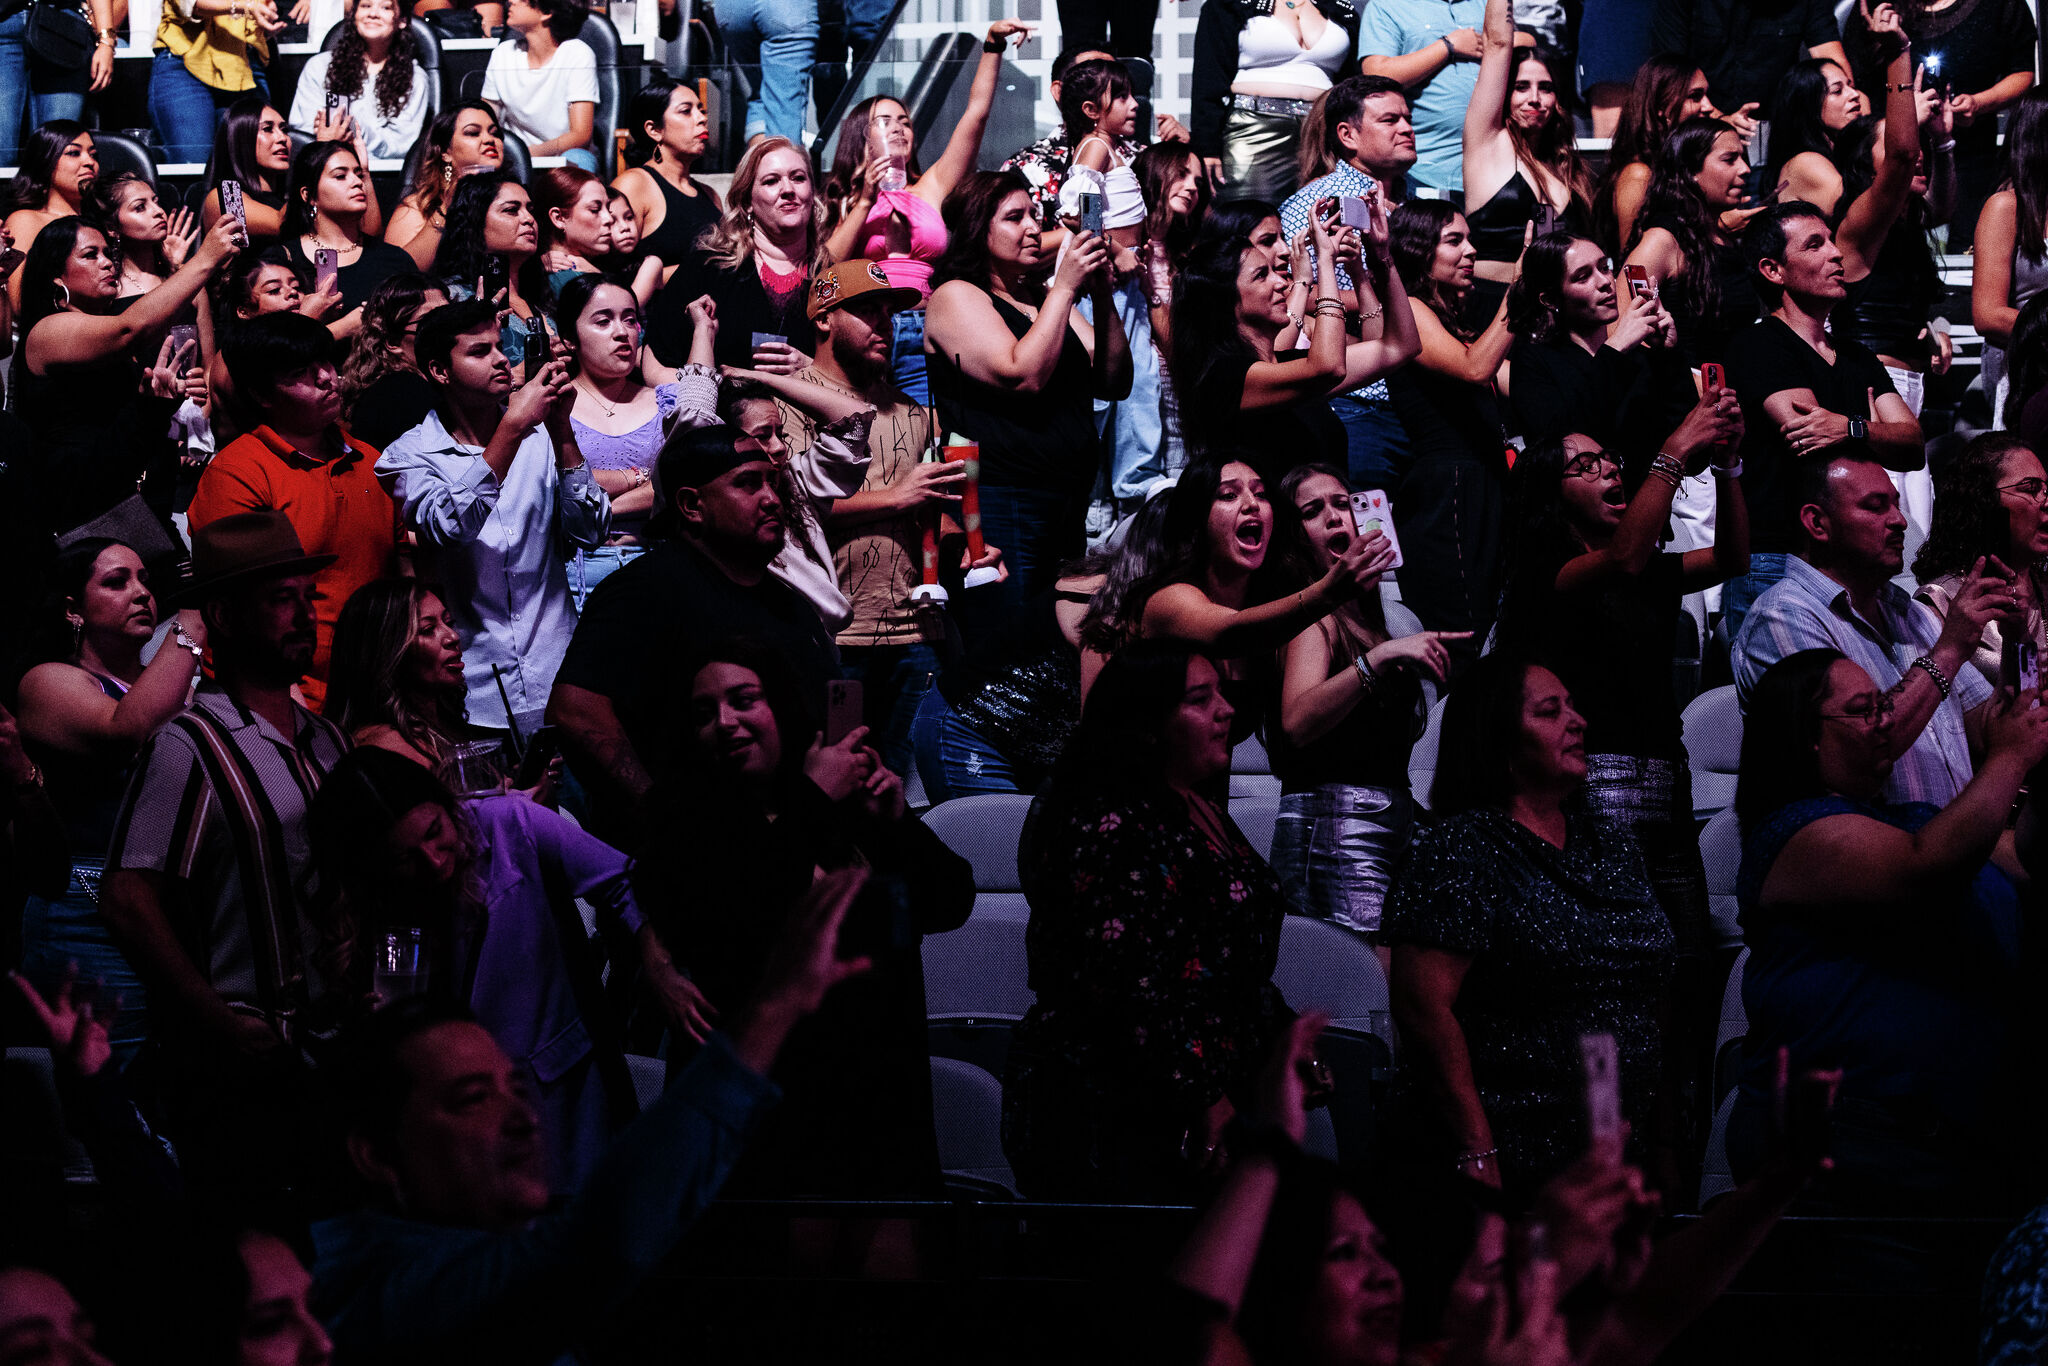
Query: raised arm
x=63, y=709
x=1869, y=220
x=1185, y=613
x=1489, y=150
x=965, y=145
x=1714, y=425
x=75, y=338
x=1276, y=383
x=1475, y=362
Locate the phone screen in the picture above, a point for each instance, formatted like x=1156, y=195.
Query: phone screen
x=1356, y=211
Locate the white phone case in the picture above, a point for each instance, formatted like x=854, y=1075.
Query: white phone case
x=1370, y=511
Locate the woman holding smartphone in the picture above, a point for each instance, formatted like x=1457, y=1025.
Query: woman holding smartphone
x=371, y=84
x=326, y=233
x=152, y=243
x=491, y=236
x=1683, y=246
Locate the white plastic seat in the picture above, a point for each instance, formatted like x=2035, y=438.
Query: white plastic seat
x=978, y=971
x=1721, y=852
x=1712, y=729
x=1256, y=816
x=1734, y=1027
x=1251, y=770
x=1717, y=1176
x=649, y=1076
x=984, y=830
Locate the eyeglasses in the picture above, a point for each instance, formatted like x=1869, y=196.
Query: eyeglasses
x=2036, y=489
x=1871, y=716
x=1590, y=465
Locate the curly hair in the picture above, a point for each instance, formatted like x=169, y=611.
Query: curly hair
x=1674, y=199
x=376, y=350
x=1416, y=227
x=729, y=243
x=463, y=258
x=349, y=64
x=1970, y=519
x=970, y=211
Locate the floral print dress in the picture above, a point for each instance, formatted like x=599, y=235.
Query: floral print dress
x=1152, y=955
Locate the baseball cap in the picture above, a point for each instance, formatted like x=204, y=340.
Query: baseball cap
x=846, y=280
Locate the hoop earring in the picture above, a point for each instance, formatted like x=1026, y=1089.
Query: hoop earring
x=63, y=294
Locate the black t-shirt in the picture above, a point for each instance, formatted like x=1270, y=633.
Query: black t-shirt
x=1768, y=359
x=1981, y=42
x=649, y=622
x=1303, y=432
x=1628, y=401
x=378, y=262
x=744, y=307
x=392, y=406
x=1744, y=46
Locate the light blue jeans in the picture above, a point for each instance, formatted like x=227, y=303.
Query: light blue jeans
x=1738, y=595
x=592, y=567
x=953, y=758
x=773, y=41
x=1134, y=425
x=184, y=109
x=32, y=87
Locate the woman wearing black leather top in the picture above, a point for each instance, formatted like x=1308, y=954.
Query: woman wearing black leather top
x=1521, y=160
x=1683, y=238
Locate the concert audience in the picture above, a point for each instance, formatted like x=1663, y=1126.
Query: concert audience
x=1744, y=59
x=383, y=393
x=56, y=177
x=150, y=242
x=1685, y=243
x=460, y=141
x=329, y=207
x=1045, y=163
x=1989, y=502
x=1666, y=91
x=542, y=81
x=251, y=147
x=396, y=678
x=491, y=236
x=2009, y=265
x=369, y=87
x=670, y=130
x=1434, y=54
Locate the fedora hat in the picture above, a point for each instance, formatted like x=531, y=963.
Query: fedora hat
x=231, y=551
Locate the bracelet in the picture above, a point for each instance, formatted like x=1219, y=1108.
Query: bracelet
x=1669, y=465
x=992, y=45
x=1450, y=53
x=1368, y=317
x=1297, y=320
x=1948, y=146
x=1474, y=1159
x=1366, y=677
x=1899, y=87
x=1940, y=679
x=1733, y=471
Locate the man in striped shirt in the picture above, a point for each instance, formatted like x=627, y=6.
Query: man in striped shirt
x=211, y=884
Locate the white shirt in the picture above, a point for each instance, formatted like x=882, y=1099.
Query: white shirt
x=385, y=138
x=535, y=103
x=498, y=548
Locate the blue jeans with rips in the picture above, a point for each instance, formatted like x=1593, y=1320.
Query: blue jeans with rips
x=953, y=758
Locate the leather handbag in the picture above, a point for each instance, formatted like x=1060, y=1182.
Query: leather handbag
x=60, y=32
x=135, y=524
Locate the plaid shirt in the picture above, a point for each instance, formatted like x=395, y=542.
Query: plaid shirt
x=1345, y=180
x=1045, y=164
x=1807, y=610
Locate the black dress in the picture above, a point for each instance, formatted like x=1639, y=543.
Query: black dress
x=745, y=306
x=683, y=220
x=1214, y=418
x=377, y=263
x=1887, y=310
x=1449, y=508
x=98, y=440
x=1707, y=327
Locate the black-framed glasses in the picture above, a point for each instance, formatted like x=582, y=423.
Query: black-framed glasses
x=2036, y=489
x=1590, y=465
x=1871, y=716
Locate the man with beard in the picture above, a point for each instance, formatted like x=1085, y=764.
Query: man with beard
x=210, y=887
x=616, y=693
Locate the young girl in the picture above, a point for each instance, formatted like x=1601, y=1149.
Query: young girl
x=151, y=242
x=1100, y=110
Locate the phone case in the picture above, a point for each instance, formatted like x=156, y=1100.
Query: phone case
x=1712, y=375
x=326, y=266
x=1370, y=511
x=1091, y=211
x=1356, y=212
x=1602, y=1060
x=231, y=203
x=842, y=709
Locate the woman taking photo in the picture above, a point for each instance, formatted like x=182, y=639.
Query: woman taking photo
x=383, y=392
x=1351, y=707
x=83, y=716
x=1990, y=504
x=254, y=149
x=459, y=141
x=1014, y=369
x=55, y=180
x=670, y=129
x=396, y=677
x=759, y=804
x=1447, y=507
x=328, y=209
x=755, y=265
x=902, y=228
x=1239, y=389
x=1154, y=931
x=1258, y=71
x=1836, y=891
x=1519, y=925
x=1667, y=91
x=84, y=381
x=491, y=236
x=151, y=243
x=1522, y=163
x=375, y=69
x=1684, y=240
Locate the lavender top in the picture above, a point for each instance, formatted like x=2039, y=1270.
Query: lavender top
x=632, y=450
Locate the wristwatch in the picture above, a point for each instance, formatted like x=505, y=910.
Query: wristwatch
x=1859, y=430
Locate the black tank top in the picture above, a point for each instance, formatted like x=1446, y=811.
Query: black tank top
x=1706, y=332
x=1045, y=440
x=1369, y=747
x=1887, y=310
x=683, y=219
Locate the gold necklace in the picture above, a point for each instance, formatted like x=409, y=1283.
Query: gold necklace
x=610, y=409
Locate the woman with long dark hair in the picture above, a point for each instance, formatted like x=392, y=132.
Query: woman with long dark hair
x=1667, y=90
x=1816, y=106
x=84, y=713
x=1154, y=931
x=1521, y=163
x=328, y=207
x=758, y=804
x=1990, y=504
x=253, y=148
x=383, y=392
x=395, y=680
x=374, y=68
x=491, y=228
x=1230, y=317
x=458, y=142
x=1683, y=240
x=1014, y=368
x=669, y=127
x=55, y=180
x=84, y=381
x=150, y=242
x=2010, y=260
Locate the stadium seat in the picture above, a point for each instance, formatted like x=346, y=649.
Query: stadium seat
x=1733, y=1029
x=1251, y=772
x=976, y=985
x=1256, y=816
x=984, y=830
x=428, y=43
x=1322, y=967
x=649, y=1074
x=1712, y=728
x=119, y=155
x=967, y=1109
x=603, y=39
x=1422, y=759
x=1721, y=851
x=1716, y=1176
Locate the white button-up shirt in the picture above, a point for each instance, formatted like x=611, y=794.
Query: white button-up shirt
x=499, y=551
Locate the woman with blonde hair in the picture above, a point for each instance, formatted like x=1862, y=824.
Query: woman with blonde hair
x=396, y=678
x=755, y=264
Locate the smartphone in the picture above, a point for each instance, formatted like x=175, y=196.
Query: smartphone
x=181, y=336
x=1712, y=376
x=2019, y=667
x=336, y=105
x=231, y=204
x=326, y=266
x=540, y=752
x=843, y=713
x=1355, y=211
x=1639, y=281
x=1546, y=220
x=497, y=276
x=1602, y=1061
x=9, y=259
x=1091, y=212
x=762, y=339
x=1370, y=512
x=539, y=351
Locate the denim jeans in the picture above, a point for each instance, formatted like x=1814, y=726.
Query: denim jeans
x=953, y=758
x=1134, y=426
x=57, y=933
x=30, y=87
x=845, y=27
x=1037, y=531
x=1738, y=595
x=908, y=369
x=1375, y=442
x=773, y=41
x=1335, y=848
x=582, y=158
x=894, y=680
x=184, y=109
x=592, y=567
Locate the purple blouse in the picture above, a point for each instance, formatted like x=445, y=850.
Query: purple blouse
x=634, y=450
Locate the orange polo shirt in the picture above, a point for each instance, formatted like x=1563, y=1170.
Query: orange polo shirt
x=337, y=507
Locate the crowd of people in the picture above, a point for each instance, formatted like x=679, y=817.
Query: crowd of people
x=453, y=653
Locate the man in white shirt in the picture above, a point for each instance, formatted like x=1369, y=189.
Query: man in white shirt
x=543, y=81
x=499, y=496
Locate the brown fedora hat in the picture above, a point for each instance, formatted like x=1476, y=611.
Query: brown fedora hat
x=249, y=545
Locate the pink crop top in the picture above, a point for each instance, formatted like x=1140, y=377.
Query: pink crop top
x=927, y=240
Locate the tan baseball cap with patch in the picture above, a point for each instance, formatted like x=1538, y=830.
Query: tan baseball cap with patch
x=846, y=280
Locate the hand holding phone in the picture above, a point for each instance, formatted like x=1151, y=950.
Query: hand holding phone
x=1601, y=1057
x=326, y=267
x=1091, y=212
x=1371, y=512
x=1355, y=211
x=843, y=708
x=1712, y=377
x=1639, y=282
x=231, y=205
